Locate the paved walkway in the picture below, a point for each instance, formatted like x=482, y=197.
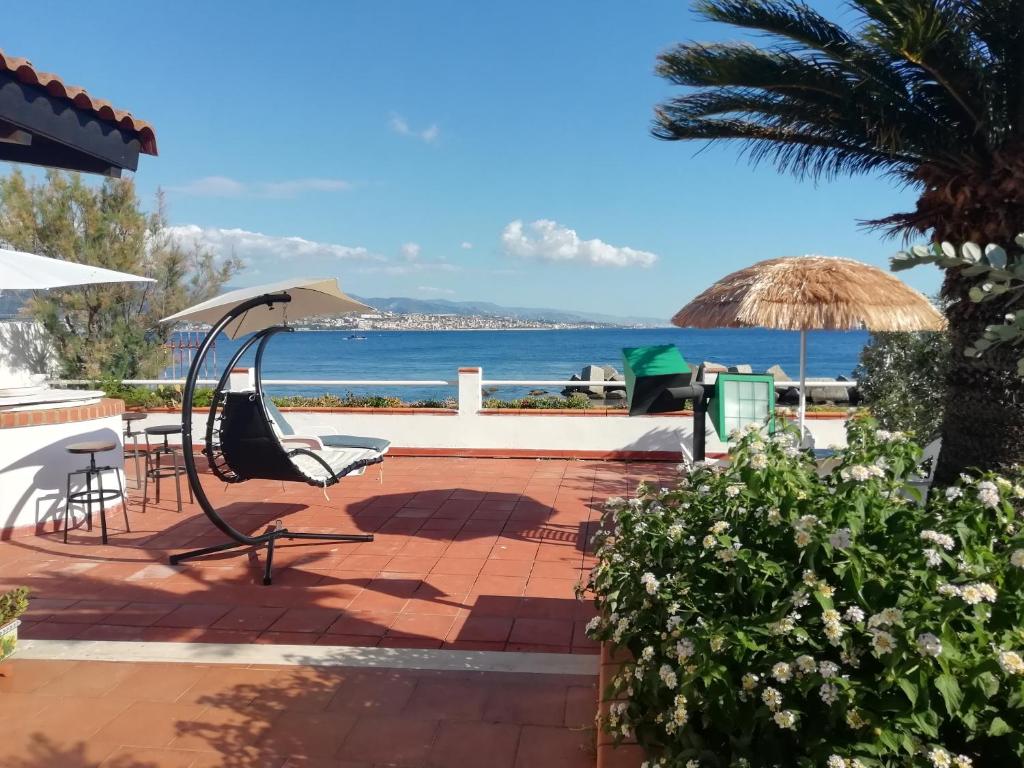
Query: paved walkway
x=469, y=554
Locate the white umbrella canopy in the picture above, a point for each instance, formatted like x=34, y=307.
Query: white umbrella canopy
x=311, y=297
x=20, y=271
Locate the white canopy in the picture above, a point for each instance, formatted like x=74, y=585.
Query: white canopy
x=20, y=271
x=311, y=297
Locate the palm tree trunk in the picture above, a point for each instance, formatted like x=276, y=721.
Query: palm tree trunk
x=983, y=425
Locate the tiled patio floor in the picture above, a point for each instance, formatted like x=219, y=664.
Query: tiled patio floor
x=469, y=554
x=66, y=714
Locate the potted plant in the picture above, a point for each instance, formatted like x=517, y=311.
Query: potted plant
x=12, y=605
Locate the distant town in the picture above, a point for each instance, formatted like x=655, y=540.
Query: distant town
x=416, y=321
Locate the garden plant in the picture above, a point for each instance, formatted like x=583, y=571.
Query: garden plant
x=781, y=614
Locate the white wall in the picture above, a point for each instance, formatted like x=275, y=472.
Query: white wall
x=34, y=466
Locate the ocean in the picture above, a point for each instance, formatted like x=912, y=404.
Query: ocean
x=526, y=354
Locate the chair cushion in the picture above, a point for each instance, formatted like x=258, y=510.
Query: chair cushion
x=342, y=461
x=378, y=444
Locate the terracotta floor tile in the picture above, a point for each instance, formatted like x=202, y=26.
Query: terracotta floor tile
x=447, y=699
x=541, y=747
x=491, y=629
x=193, y=615
x=363, y=623
x=373, y=693
x=94, y=679
x=451, y=565
x=432, y=626
x=390, y=741
x=315, y=620
x=542, y=632
x=149, y=723
x=253, y=618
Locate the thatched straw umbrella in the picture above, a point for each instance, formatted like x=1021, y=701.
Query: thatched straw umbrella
x=808, y=293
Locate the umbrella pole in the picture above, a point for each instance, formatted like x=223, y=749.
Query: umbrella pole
x=803, y=381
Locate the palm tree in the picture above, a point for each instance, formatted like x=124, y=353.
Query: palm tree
x=927, y=92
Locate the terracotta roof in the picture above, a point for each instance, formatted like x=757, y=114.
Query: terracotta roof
x=56, y=87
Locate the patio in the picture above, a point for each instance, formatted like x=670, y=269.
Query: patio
x=471, y=554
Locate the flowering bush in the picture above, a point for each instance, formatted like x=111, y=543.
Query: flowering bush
x=776, y=617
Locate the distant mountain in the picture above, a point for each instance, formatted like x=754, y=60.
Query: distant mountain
x=404, y=306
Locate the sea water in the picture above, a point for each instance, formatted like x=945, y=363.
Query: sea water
x=515, y=354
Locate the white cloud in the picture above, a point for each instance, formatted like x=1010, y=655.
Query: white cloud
x=410, y=268
x=255, y=247
x=223, y=186
x=401, y=126
x=410, y=251
x=466, y=245
x=433, y=289
x=548, y=240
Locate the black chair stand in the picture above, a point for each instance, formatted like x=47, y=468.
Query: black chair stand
x=240, y=445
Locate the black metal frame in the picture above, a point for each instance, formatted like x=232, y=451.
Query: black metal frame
x=238, y=539
x=90, y=496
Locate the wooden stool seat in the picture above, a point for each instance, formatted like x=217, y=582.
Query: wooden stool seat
x=91, y=446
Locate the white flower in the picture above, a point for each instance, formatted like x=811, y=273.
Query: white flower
x=835, y=761
x=883, y=643
x=939, y=758
x=650, y=583
x=953, y=493
x=593, y=624
x=785, y=719
x=883, y=435
x=806, y=664
x=647, y=654
x=828, y=669
x=675, y=532
x=948, y=590
x=854, y=614
x=1011, y=662
x=858, y=473
x=810, y=578
x=971, y=595
x=988, y=494
x=774, y=517
x=615, y=502
x=758, y=461
x=771, y=698
x=988, y=592
x=834, y=632
x=750, y=681
x=719, y=527
x=829, y=693
x=782, y=672
x=732, y=491
x=693, y=764
x=840, y=539
x=684, y=649
x=710, y=542
x=932, y=558
x=1017, y=558
x=928, y=644
x=726, y=555
x=802, y=538
x=668, y=676
x=806, y=522
x=800, y=599
x=943, y=540
x=854, y=719
x=962, y=761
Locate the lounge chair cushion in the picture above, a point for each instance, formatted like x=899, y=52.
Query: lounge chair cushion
x=342, y=461
x=352, y=441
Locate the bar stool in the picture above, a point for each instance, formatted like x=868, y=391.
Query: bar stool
x=89, y=496
x=155, y=470
x=128, y=418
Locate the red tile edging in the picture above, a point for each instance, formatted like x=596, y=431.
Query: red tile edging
x=61, y=415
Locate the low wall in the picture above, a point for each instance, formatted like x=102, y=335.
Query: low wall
x=34, y=462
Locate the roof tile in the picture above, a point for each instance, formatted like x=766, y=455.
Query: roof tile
x=26, y=73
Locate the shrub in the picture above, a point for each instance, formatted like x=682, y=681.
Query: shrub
x=902, y=376
x=13, y=604
x=575, y=401
x=779, y=618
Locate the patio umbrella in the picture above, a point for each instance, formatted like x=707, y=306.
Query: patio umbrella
x=20, y=271
x=310, y=297
x=808, y=293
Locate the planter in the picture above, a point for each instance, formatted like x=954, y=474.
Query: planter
x=8, y=638
x=627, y=753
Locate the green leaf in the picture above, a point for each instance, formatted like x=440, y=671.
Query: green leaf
x=970, y=251
x=908, y=688
x=987, y=683
x=996, y=256
x=999, y=727
x=949, y=689
x=976, y=294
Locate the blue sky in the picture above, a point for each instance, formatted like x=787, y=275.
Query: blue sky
x=397, y=144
